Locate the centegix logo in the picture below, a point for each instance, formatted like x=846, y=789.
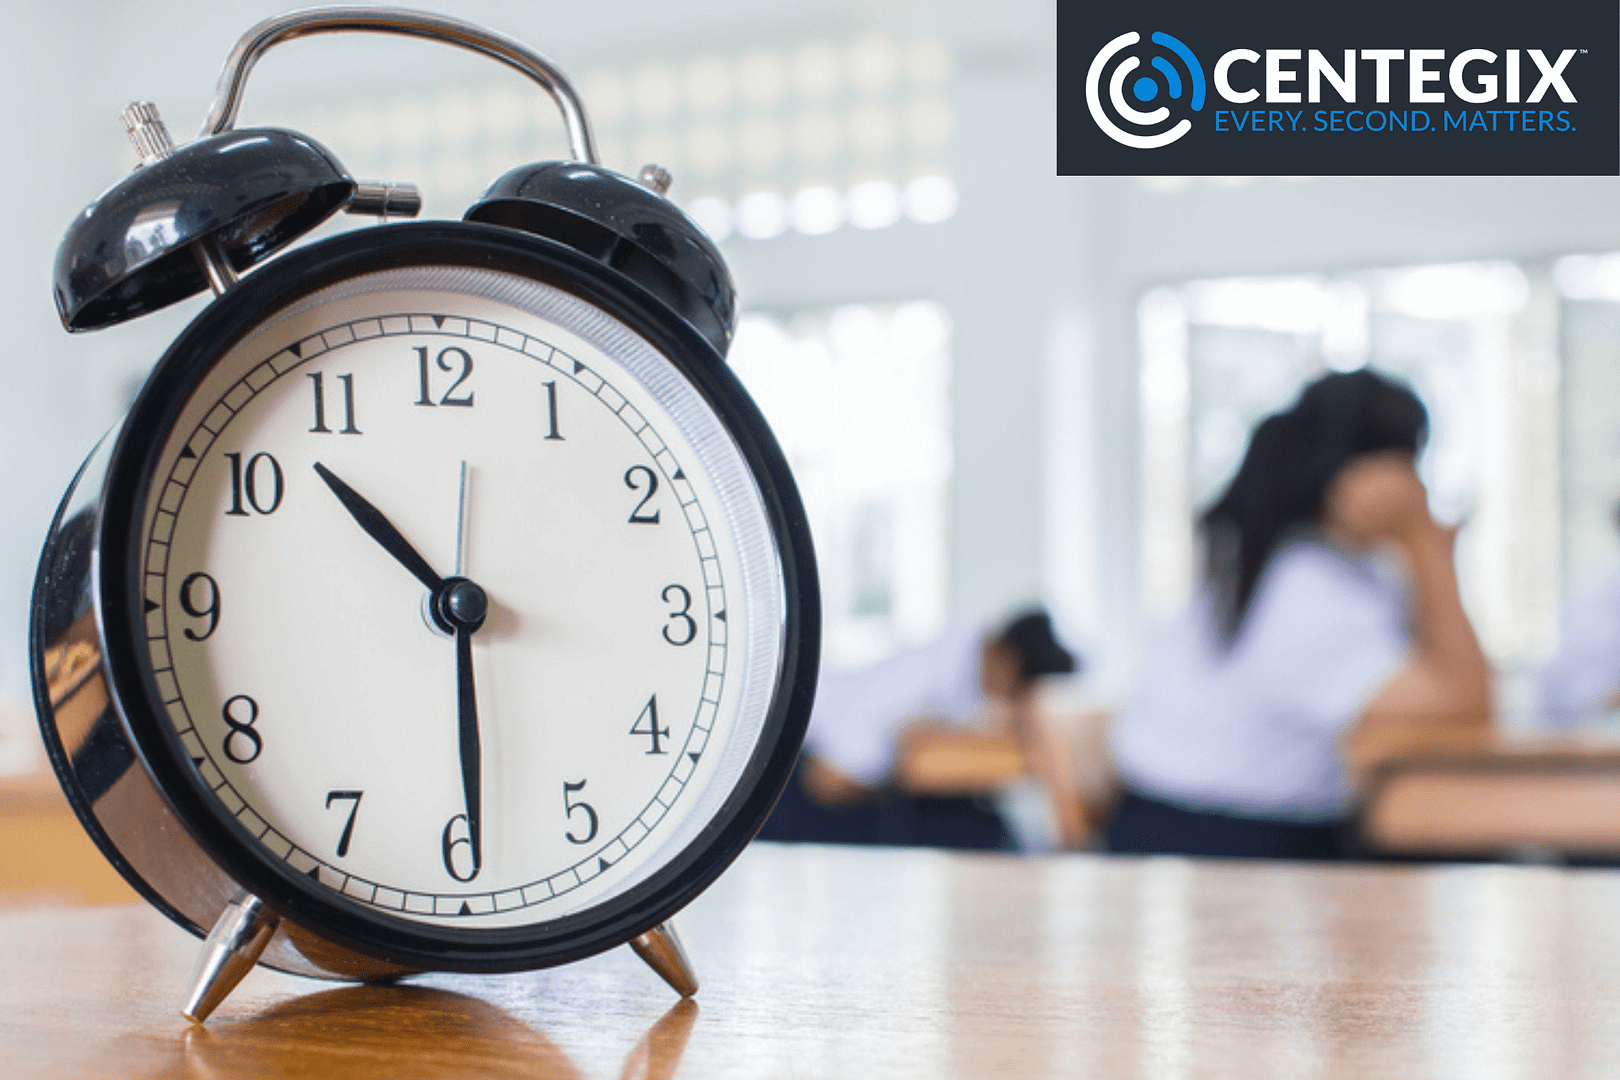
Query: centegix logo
x=1145, y=88
x=1385, y=88
x=1471, y=74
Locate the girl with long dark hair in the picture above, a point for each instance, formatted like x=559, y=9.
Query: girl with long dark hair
x=1301, y=635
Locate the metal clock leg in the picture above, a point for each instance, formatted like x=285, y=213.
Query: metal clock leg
x=661, y=949
x=232, y=948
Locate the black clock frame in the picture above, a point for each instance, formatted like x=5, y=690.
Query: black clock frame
x=122, y=622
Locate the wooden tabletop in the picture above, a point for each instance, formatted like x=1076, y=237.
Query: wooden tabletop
x=824, y=962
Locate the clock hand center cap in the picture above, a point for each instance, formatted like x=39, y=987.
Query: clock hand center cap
x=460, y=604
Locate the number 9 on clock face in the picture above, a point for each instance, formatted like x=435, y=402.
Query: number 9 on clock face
x=458, y=599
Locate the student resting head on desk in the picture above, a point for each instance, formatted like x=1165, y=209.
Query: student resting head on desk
x=1301, y=638
x=965, y=698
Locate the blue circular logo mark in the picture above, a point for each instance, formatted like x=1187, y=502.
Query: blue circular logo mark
x=1183, y=82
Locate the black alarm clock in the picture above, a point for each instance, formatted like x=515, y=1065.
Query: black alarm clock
x=443, y=603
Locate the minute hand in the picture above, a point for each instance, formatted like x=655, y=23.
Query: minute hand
x=471, y=753
x=380, y=529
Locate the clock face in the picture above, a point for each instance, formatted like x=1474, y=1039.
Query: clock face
x=459, y=599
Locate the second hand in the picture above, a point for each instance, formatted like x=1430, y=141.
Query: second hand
x=461, y=519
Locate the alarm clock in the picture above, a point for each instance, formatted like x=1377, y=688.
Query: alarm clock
x=442, y=603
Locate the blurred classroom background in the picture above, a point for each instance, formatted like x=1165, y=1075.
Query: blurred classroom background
x=997, y=386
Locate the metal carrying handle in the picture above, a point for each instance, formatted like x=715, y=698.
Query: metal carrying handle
x=386, y=20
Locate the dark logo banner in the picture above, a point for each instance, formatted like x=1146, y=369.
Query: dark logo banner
x=1365, y=89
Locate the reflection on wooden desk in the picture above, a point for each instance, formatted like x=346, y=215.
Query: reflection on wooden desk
x=388, y=1032
x=822, y=962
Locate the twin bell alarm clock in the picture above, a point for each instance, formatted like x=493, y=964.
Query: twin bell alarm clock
x=443, y=603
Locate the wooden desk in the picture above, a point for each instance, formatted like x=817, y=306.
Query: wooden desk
x=870, y=963
x=1493, y=796
x=45, y=854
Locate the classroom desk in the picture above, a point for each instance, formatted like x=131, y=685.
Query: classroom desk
x=873, y=963
x=1492, y=796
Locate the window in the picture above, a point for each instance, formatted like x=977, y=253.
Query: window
x=859, y=397
x=813, y=138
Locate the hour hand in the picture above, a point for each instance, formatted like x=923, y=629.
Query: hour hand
x=380, y=529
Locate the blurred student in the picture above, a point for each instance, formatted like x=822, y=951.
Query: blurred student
x=1300, y=638
x=1582, y=682
x=965, y=698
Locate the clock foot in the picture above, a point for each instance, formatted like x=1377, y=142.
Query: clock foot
x=662, y=951
x=232, y=948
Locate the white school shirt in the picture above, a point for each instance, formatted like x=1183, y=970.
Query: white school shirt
x=1577, y=683
x=1254, y=727
x=858, y=714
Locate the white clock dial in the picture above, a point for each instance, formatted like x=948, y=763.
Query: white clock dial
x=515, y=436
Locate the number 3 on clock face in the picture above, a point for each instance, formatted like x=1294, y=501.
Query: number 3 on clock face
x=510, y=434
